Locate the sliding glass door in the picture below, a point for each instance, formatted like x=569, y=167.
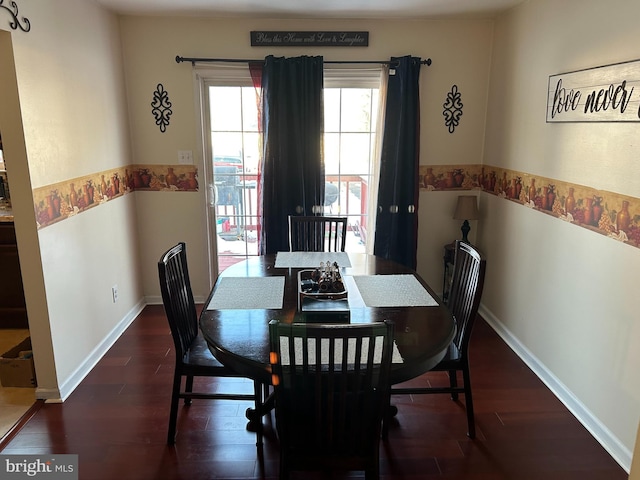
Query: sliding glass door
x=231, y=145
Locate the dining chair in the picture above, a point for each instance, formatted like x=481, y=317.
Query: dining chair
x=317, y=233
x=331, y=386
x=193, y=358
x=464, y=299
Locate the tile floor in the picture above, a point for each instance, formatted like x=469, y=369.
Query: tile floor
x=14, y=401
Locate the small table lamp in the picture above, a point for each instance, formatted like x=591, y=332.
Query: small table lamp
x=466, y=209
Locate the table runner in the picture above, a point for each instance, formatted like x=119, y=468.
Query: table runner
x=393, y=291
x=248, y=293
x=310, y=259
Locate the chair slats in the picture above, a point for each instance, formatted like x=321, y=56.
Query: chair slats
x=193, y=357
x=464, y=300
x=317, y=233
x=331, y=393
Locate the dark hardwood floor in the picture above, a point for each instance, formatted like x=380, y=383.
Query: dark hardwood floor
x=116, y=422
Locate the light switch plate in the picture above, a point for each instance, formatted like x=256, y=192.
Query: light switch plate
x=185, y=157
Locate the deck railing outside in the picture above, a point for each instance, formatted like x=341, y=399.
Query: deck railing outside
x=237, y=214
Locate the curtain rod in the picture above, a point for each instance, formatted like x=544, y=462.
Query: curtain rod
x=180, y=59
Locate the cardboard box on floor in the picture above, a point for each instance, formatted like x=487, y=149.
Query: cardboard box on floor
x=16, y=366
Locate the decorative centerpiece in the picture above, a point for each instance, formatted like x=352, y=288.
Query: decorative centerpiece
x=322, y=294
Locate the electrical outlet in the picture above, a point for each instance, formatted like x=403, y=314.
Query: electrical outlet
x=114, y=293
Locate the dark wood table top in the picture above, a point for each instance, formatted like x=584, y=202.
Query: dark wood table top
x=239, y=338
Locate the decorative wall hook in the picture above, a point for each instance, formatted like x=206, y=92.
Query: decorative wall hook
x=161, y=107
x=452, y=109
x=15, y=23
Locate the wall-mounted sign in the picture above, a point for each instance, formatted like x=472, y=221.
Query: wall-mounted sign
x=310, y=39
x=610, y=93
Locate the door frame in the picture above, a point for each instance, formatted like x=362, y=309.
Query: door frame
x=206, y=76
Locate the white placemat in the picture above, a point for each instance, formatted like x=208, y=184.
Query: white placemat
x=248, y=293
x=353, y=294
x=393, y=291
x=310, y=259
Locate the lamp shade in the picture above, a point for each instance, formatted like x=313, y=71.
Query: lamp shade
x=467, y=208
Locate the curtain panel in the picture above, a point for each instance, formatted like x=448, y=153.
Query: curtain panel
x=396, y=236
x=292, y=167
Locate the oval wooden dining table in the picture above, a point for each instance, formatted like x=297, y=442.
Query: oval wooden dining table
x=239, y=337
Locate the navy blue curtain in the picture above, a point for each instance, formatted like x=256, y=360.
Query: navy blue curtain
x=292, y=169
x=396, y=235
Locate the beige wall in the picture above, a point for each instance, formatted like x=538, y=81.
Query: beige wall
x=460, y=50
x=73, y=105
x=561, y=295
x=634, y=473
x=78, y=114
x=15, y=154
x=564, y=296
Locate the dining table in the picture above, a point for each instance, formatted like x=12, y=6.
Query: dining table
x=248, y=295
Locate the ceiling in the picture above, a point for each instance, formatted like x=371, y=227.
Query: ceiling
x=310, y=8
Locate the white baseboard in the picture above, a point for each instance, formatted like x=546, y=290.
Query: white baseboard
x=153, y=300
x=70, y=384
x=49, y=395
x=157, y=300
x=600, y=432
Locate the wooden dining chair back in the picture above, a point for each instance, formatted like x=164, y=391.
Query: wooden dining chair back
x=331, y=385
x=317, y=234
x=193, y=358
x=464, y=300
x=466, y=292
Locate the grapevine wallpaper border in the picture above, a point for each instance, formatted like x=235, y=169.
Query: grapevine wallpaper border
x=614, y=215
x=58, y=201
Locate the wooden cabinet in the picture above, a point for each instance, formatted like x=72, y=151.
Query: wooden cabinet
x=13, y=311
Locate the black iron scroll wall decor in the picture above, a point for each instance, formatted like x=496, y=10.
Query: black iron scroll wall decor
x=15, y=23
x=452, y=109
x=161, y=107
